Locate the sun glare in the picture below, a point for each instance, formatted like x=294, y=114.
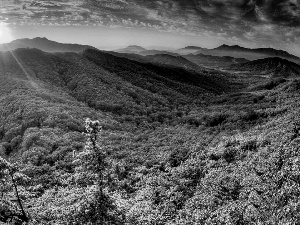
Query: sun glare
x=5, y=33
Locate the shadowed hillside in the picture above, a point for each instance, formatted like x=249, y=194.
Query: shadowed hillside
x=247, y=53
x=110, y=83
x=272, y=67
x=213, y=61
x=178, y=79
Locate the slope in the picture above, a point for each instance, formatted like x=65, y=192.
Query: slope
x=131, y=49
x=213, y=61
x=247, y=53
x=189, y=50
x=115, y=84
x=150, y=76
x=174, y=61
x=272, y=67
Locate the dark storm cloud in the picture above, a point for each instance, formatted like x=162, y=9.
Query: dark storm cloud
x=286, y=12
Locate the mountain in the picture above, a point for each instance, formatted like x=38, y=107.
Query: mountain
x=43, y=44
x=272, y=67
x=268, y=51
x=131, y=49
x=158, y=52
x=110, y=83
x=142, y=51
x=190, y=50
x=174, y=61
x=247, y=53
x=225, y=47
x=164, y=77
x=213, y=61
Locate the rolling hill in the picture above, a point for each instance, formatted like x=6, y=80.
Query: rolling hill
x=131, y=49
x=213, y=61
x=175, y=77
x=162, y=59
x=271, y=67
x=174, y=61
x=221, y=56
x=190, y=50
x=112, y=83
x=247, y=53
x=134, y=49
x=267, y=51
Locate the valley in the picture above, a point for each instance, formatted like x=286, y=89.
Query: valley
x=190, y=136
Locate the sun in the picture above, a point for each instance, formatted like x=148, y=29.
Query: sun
x=5, y=33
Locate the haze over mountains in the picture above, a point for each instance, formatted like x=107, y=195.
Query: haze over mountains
x=232, y=51
x=179, y=67
x=191, y=60
x=197, y=55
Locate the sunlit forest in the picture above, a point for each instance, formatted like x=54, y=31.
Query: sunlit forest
x=110, y=138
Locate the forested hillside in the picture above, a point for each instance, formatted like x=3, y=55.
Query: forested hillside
x=272, y=67
x=165, y=143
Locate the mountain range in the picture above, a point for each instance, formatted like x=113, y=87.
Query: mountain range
x=267, y=61
x=250, y=54
x=234, y=51
x=43, y=44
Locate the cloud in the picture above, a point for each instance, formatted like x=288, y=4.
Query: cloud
x=232, y=20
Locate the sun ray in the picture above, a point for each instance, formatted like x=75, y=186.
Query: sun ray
x=26, y=71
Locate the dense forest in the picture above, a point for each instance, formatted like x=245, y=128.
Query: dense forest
x=107, y=138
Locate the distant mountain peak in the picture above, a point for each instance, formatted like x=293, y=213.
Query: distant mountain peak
x=43, y=44
x=132, y=48
x=31, y=39
x=227, y=47
x=192, y=47
x=40, y=38
x=224, y=46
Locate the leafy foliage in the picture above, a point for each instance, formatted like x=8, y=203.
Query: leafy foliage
x=10, y=178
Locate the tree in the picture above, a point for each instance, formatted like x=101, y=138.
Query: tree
x=92, y=162
x=9, y=177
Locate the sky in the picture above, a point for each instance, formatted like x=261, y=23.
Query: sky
x=109, y=24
